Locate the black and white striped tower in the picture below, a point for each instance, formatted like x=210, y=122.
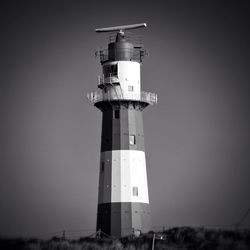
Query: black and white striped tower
x=123, y=203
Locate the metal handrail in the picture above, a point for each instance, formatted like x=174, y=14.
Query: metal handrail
x=99, y=96
x=138, y=54
x=112, y=78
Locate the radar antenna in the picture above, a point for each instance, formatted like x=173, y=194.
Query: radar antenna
x=122, y=28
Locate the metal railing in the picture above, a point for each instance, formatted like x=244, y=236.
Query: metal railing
x=112, y=78
x=100, y=96
x=103, y=54
x=130, y=37
x=138, y=54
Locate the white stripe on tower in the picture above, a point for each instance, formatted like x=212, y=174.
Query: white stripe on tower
x=125, y=176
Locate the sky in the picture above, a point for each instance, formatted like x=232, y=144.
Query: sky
x=196, y=137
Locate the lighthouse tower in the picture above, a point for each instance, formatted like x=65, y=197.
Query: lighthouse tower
x=123, y=203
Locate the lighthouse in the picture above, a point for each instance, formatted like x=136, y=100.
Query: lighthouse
x=123, y=201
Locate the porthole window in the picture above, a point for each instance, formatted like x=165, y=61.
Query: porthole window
x=135, y=191
x=132, y=139
x=117, y=114
x=102, y=166
x=131, y=88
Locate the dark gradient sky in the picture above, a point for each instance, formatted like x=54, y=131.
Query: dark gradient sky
x=196, y=138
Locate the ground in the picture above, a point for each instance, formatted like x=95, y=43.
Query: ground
x=175, y=238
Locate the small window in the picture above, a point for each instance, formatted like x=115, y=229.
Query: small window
x=135, y=191
x=132, y=139
x=110, y=70
x=117, y=114
x=131, y=88
x=102, y=166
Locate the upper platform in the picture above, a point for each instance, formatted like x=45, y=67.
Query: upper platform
x=99, y=96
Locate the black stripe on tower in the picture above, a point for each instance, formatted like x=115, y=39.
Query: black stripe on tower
x=119, y=124
x=120, y=218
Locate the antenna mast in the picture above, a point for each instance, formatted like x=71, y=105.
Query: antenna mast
x=121, y=28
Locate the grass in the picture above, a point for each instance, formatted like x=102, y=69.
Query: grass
x=181, y=238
